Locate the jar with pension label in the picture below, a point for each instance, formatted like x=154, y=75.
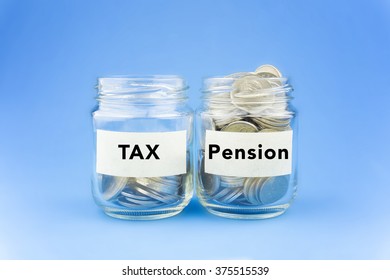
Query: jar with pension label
x=247, y=131
x=143, y=136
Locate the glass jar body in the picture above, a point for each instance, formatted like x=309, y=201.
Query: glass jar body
x=135, y=181
x=247, y=154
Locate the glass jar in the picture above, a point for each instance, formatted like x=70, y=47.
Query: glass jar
x=143, y=136
x=246, y=132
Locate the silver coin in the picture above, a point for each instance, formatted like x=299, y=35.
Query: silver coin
x=165, y=198
x=112, y=185
x=252, y=191
x=144, y=181
x=261, y=92
x=240, y=126
x=247, y=190
x=243, y=96
x=172, y=181
x=275, y=121
x=256, y=187
x=210, y=182
x=252, y=187
x=149, y=203
x=231, y=181
x=270, y=69
x=160, y=184
x=221, y=122
x=266, y=75
x=129, y=193
x=229, y=198
x=276, y=124
x=145, y=191
x=222, y=193
x=273, y=189
x=164, y=187
x=249, y=83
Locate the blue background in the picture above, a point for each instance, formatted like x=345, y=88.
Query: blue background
x=337, y=54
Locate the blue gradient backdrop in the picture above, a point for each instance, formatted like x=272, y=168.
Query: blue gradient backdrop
x=337, y=54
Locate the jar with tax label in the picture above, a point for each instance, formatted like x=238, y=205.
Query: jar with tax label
x=246, y=132
x=143, y=136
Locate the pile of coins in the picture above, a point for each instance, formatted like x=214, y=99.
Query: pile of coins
x=244, y=190
x=253, y=102
x=142, y=192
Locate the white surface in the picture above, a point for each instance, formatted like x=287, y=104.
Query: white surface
x=199, y=269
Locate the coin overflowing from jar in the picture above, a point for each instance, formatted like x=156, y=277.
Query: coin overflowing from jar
x=249, y=102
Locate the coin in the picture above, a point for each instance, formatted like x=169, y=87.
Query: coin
x=221, y=122
x=113, y=186
x=164, y=187
x=221, y=194
x=229, y=198
x=266, y=75
x=210, y=182
x=231, y=181
x=129, y=193
x=154, y=194
x=269, y=69
x=148, y=203
x=276, y=124
x=160, y=184
x=273, y=189
x=248, y=84
x=150, y=191
x=252, y=187
x=240, y=126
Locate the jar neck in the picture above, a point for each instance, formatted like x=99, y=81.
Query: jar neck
x=247, y=95
x=124, y=92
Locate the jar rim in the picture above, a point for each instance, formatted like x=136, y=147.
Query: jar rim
x=214, y=86
x=140, y=77
x=142, y=86
x=232, y=77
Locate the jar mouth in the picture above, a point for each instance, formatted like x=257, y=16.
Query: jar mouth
x=256, y=89
x=244, y=94
x=142, y=86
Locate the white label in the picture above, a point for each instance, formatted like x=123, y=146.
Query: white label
x=140, y=154
x=248, y=154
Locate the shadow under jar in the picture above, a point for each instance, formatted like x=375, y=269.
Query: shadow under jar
x=246, y=132
x=143, y=135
